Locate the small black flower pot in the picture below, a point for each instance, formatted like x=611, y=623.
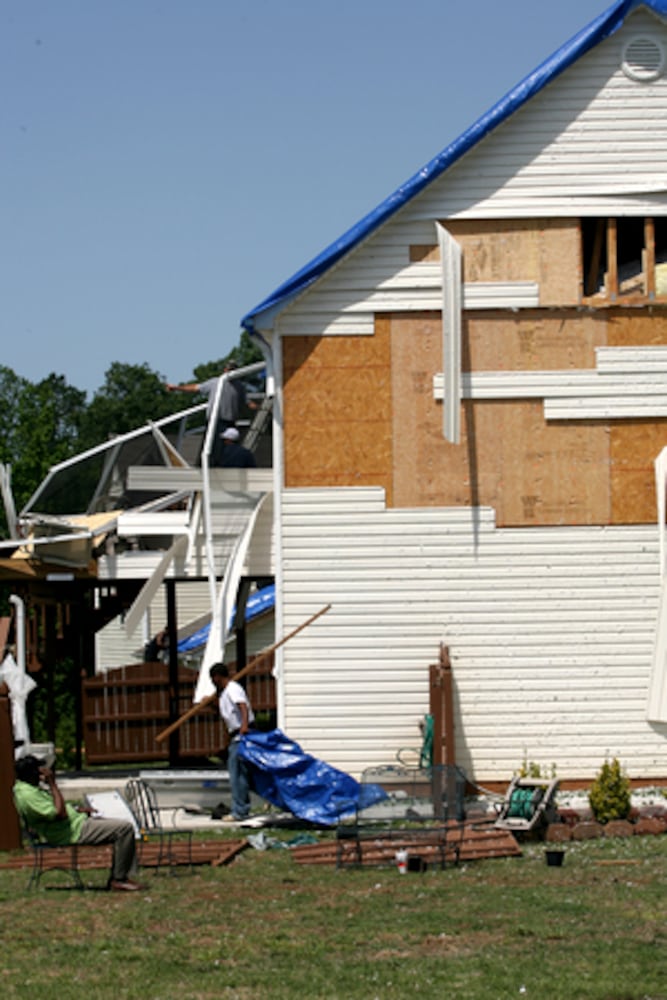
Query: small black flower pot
x=554, y=858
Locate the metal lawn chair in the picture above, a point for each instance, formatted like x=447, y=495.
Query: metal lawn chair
x=67, y=857
x=142, y=800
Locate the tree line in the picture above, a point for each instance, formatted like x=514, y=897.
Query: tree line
x=47, y=422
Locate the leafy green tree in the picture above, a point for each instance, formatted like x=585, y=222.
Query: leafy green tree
x=245, y=353
x=47, y=418
x=12, y=387
x=130, y=397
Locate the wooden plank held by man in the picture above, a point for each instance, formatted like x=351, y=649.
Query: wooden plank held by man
x=211, y=698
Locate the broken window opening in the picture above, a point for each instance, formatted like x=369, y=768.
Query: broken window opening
x=624, y=259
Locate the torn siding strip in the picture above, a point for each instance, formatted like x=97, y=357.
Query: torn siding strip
x=450, y=256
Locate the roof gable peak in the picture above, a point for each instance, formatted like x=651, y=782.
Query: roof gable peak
x=601, y=28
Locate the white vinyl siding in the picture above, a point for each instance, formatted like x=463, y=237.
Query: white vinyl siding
x=627, y=382
x=550, y=633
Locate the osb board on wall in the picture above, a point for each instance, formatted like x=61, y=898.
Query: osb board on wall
x=360, y=411
x=532, y=340
x=546, y=251
x=634, y=446
x=646, y=327
x=531, y=472
x=509, y=458
x=337, y=410
x=427, y=470
x=538, y=473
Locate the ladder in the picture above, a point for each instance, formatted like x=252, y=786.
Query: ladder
x=259, y=422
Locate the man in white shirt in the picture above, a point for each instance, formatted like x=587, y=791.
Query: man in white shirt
x=237, y=714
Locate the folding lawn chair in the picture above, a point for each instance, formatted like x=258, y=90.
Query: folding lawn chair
x=142, y=800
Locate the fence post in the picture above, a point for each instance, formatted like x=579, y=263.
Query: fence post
x=444, y=749
x=174, y=739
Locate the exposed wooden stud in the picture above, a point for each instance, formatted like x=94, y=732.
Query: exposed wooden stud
x=596, y=255
x=612, y=260
x=649, y=258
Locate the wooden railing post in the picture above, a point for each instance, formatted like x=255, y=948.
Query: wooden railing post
x=442, y=709
x=10, y=829
x=444, y=750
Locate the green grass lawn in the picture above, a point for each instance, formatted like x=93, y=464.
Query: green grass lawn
x=267, y=927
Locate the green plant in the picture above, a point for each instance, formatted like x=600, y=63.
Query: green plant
x=609, y=796
x=531, y=769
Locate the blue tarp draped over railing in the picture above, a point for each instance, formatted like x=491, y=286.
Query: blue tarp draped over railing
x=262, y=600
x=293, y=780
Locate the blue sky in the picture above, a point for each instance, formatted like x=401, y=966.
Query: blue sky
x=165, y=164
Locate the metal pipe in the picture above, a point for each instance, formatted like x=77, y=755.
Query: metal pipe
x=19, y=604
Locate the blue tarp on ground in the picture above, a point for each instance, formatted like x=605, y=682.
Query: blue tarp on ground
x=290, y=779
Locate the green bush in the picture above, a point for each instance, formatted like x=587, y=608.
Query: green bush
x=609, y=796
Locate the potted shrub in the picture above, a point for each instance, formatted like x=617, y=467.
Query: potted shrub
x=610, y=795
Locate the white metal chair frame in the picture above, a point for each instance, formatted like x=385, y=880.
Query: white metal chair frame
x=142, y=801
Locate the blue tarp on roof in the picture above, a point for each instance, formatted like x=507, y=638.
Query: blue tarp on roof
x=259, y=602
x=602, y=27
x=290, y=779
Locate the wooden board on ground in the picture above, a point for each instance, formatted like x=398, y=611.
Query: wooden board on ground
x=475, y=842
x=205, y=852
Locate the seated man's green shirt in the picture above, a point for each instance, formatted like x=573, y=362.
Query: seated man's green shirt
x=37, y=808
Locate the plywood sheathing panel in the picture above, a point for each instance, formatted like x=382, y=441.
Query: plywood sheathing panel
x=337, y=410
x=635, y=444
x=532, y=340
x=509, y=458
x=360, y=411
x=546, y=251
x=645, y=327
x=538, y=473
x=633, y=448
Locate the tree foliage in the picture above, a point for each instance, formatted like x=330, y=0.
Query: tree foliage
x=245, y=353
x=130, y=397
x=42, y=422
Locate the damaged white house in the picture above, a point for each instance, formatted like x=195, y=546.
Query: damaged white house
x=469, y=415
x=483, y=363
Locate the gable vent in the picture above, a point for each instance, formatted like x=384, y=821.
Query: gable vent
x=643, y=59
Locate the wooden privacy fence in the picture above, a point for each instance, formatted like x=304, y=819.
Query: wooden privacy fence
x=124, y=709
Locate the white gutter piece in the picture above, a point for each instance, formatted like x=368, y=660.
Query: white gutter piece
x=8, y=499
x=450, y=257
x=19, y=629
x=224, y=605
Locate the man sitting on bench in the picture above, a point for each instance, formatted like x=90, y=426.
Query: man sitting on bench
x=45, y=811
